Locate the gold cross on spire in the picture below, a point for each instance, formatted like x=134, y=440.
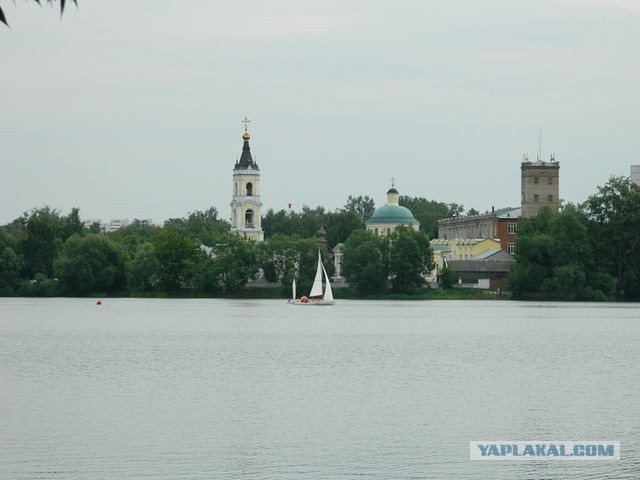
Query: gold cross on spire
x=393, y=182
x=246, y=122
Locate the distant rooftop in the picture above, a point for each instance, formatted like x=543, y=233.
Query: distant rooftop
x=539, y=162
x=486, y=254
x=507, y=212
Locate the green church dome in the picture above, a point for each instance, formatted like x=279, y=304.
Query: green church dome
x=393, y=214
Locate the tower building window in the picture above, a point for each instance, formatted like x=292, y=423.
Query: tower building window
x=536, y=197
x=249, y=189
x=536, y=180
x=248, y=219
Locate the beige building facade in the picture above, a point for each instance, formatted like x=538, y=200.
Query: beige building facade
x=466, y=249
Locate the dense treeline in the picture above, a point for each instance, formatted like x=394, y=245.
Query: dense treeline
x=353, y=216
x=585, y=252
x=338, y=225
x=45, y=253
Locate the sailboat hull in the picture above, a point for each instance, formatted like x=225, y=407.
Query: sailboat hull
x=311, y=302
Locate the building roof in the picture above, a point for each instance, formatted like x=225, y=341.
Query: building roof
x=509, y=212
x=246, y=160
x=493, y=254
x=480, y=266
x=393, y=214
x=502, y=213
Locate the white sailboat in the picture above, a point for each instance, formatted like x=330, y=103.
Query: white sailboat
x=318, y=295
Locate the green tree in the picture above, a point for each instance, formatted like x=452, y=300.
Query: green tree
x=39, y=234
x=362, y=207
x=72, y=224
x=89, y=264
x=307, y=223
x=281, y=223
x=365, y=262
x=339, y=225
x=304, y=224
x=311, y=220
x=40, y=240
x=137, y=233
x=201, y=274
x=614, y=214
x=446, y=278
x=535, y=252
x=10, y=264
x=575, y=268
x=410, y=259
x=555, y=258
x=143, y=271
x=17, y=228
x=175, y=254
x=235, y=262
x=94, y=228
x=203, y=227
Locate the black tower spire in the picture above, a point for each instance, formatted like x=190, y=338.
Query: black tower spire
x=246, y=160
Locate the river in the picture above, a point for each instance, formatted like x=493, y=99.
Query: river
x=258, y=389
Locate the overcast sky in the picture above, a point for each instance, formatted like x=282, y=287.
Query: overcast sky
x=133, y=109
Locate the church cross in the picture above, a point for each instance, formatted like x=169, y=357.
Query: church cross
x=246, y=122
x=393, y=182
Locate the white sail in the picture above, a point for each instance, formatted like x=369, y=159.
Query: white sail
x=328, y=294
x=316, y=289
x=293, y=287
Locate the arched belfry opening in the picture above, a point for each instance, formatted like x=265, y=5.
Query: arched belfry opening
x=249, y=189
x=248, y=219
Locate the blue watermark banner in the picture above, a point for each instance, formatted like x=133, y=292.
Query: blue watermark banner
x=544, y=450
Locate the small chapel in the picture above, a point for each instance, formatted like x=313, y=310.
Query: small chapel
x=245, y=203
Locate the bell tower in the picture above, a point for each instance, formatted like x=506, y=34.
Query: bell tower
x=245, y=203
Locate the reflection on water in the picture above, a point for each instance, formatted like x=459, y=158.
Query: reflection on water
x=204, y=389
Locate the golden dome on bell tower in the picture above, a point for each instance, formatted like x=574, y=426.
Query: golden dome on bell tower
x=246, y=135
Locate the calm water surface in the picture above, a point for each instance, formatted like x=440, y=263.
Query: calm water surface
x=202, y=389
